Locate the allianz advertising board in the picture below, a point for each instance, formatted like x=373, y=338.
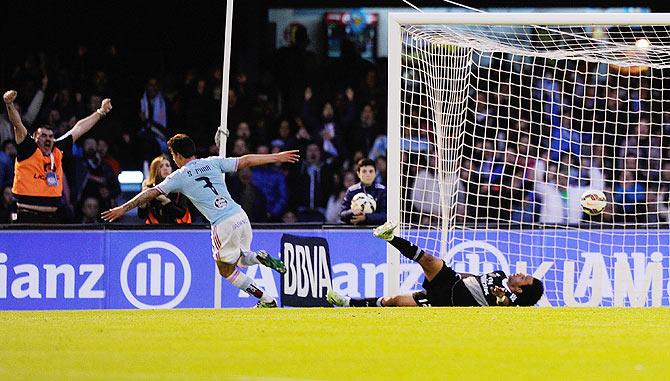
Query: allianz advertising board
x=44, y=270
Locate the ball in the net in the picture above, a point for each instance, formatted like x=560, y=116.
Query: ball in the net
x=593, y=202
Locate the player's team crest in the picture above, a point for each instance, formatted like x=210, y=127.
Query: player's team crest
x=220, y=202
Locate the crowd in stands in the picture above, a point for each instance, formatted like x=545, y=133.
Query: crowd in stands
x=536, y=138
x=332, y=111
x=533, y=140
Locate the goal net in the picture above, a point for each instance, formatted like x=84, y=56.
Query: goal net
x=505, y=120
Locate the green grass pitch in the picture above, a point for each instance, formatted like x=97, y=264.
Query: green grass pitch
x=337, y=344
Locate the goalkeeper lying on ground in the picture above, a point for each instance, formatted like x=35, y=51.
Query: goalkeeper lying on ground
x=445, y=287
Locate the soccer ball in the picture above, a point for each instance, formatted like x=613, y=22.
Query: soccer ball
x=365, y=202
x=593, y=202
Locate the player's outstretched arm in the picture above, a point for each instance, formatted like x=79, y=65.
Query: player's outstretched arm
x=85, y=125
x=20, y=130
x=142, y=198
x=253, y=160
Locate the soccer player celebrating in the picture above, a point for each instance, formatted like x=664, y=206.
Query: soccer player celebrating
x=445, y=287
x=202, y=182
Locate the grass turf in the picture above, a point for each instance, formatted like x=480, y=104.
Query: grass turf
x=337, y=344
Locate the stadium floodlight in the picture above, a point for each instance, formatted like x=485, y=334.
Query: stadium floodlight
x=490, y=114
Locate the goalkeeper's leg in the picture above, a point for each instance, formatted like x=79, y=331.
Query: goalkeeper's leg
x=404, y=300
x=430, y=264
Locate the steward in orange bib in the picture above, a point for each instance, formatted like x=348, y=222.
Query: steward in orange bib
x=38, y=178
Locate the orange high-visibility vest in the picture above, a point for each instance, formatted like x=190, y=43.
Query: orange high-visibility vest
x=30, y=176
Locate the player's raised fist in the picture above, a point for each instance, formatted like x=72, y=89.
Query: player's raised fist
x=9, y=96
x=106, y=105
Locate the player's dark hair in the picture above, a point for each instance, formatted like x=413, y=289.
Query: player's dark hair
x=530, y=294
x=182, y=145
x=45, y=126
x=364, y=163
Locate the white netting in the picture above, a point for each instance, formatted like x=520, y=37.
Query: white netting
x=504, y=127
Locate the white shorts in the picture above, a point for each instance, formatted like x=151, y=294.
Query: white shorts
x=230, y=237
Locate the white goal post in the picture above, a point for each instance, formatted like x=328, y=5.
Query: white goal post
x=498, y=122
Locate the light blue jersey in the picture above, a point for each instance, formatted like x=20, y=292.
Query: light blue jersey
x=201, y=180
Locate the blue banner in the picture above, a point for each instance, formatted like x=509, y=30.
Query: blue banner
x=174, y=268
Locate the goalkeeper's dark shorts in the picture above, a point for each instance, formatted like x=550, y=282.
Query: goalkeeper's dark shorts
x=438, y=292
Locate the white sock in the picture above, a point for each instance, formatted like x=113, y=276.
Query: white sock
x=249, y=258
x=244, y=283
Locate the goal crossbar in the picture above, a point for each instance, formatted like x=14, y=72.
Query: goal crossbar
x=470, y=18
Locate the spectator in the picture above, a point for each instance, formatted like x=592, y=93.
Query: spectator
x=7, y=207
x=90, y=211
x=289, y=217
x=366, y=130
x=170, y=209
x=272, y=183
x=303, y=137
x=425, y=192
x=466, y=196
x=524, y=207
x=345, y=109
x=379, y=147
x=248, y=195
x=325, y=127
x=240, y=148
x=335, y=200
x=103, y=152
x=311, y=185
x=331, y=135
x=284, y=139
x=200, y=115
x=94, y=178
x=62, y=102
x=560, y=202
x=39, y=178
x=372, y=92
x=243, y=132
x=294, y=67
x=566, y=138
x=7, y=156
x=381, y=165
x=628, y=198
x=664, y=192
x=654, y=213
x=153, y=114
x=6, y=129
x=351, y=213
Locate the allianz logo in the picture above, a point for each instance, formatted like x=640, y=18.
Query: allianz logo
x=148, y=278
x=27, y=278
x=154, y=276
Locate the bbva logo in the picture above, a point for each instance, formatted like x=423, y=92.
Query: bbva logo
x=152, y=269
